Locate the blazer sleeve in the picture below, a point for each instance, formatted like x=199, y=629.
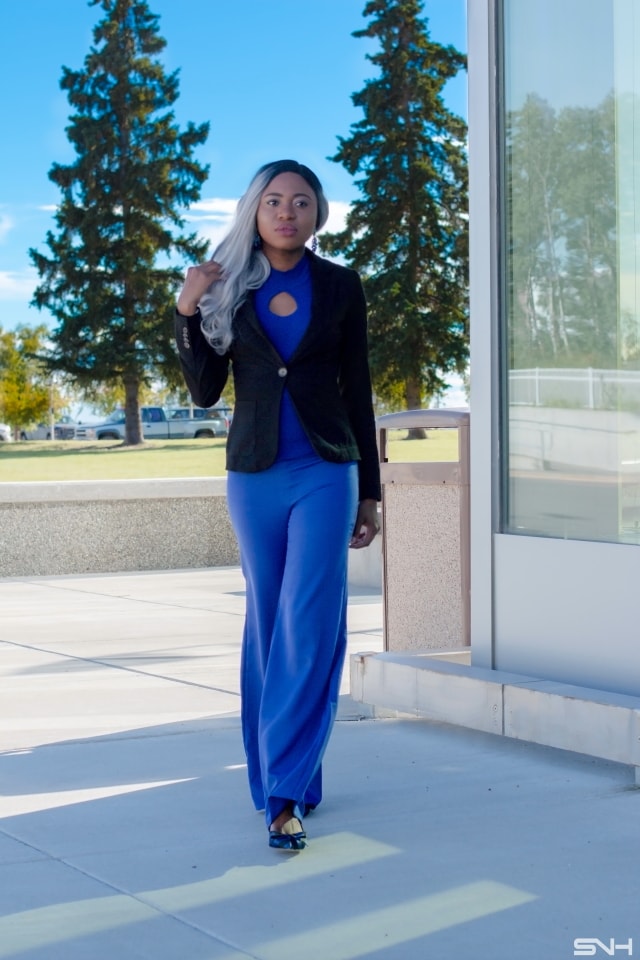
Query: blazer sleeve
x=355, y=387
x=205, y=371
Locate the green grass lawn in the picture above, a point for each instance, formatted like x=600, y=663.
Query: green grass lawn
x=109, y=460
x=440, y=445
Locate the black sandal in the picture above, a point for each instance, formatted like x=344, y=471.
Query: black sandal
x=290, y=837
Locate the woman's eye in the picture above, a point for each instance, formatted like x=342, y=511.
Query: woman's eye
x=272, y=203
x=302, y=203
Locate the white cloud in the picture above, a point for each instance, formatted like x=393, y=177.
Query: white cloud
x=18, y=284
x=214, y=208
x=337, y=216
x=212, y=231
x=48, y=207
x=6, y=224
x=212, y=218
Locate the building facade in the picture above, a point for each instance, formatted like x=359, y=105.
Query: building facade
x=554, y=146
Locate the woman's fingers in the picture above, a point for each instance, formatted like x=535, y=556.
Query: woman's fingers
x=366, y=526
x=197, y=281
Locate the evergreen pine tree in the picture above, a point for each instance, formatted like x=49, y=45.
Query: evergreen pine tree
x=110, y=281
x=407, y=232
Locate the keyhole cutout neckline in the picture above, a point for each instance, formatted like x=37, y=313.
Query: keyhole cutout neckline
x=283, y=304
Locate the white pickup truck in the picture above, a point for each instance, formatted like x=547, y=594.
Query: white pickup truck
x=161, y=424
x=63, y=429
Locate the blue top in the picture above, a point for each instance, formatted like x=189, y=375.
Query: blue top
x=285, y=334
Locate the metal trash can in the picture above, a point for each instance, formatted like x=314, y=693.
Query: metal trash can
x=425, y=538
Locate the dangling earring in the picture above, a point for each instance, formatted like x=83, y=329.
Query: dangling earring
x=257, y=241
x=314, y=244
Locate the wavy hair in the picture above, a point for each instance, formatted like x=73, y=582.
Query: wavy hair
x=246, y=267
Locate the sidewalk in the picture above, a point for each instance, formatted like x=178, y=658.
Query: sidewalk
x=126, y=829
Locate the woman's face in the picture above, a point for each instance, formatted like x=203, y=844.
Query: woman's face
x=287, y=213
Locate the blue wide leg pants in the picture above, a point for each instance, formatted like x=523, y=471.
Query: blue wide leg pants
x=293, y=522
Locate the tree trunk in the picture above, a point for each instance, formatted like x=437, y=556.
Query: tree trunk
x=132, y=425
x=413, y=400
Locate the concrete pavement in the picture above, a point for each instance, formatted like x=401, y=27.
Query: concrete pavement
x=126, y=829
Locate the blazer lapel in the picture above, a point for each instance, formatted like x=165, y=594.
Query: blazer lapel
x=246, y=314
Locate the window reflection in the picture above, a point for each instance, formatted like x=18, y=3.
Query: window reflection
x=572, y=269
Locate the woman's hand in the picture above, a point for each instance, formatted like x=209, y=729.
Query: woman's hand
x=366, y=526
x=196, y=284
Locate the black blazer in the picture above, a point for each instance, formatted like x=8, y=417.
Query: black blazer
x=327, y=377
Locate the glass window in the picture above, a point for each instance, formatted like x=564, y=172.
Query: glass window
x=570, y=149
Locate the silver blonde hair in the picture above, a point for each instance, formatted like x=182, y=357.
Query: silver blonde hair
x=245, y=267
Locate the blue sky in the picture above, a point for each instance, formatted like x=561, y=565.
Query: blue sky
x=273, y=77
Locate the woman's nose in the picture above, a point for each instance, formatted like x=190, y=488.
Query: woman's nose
x=286, y=211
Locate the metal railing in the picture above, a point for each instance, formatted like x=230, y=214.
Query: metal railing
x=590, y=388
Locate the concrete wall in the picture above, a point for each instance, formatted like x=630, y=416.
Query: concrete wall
x=442, y=688
x=75, y=527
x=111, y=526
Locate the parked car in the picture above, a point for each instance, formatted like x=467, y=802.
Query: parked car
x=6, y=435
x=157, y=424
x=63, y=429
x=218, y=417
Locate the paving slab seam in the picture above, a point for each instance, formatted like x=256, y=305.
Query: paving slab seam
x=117, y=666
x=123, y=892
x=42, y=854
x=44, y=582
x=215, y=938
x=195, y=726
x=39, y=855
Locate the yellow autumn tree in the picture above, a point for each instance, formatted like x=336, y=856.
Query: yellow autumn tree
x=25, y=393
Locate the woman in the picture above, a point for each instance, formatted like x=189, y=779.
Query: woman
x=303, y=473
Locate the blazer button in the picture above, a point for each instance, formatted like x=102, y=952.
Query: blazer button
x=282, y=372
